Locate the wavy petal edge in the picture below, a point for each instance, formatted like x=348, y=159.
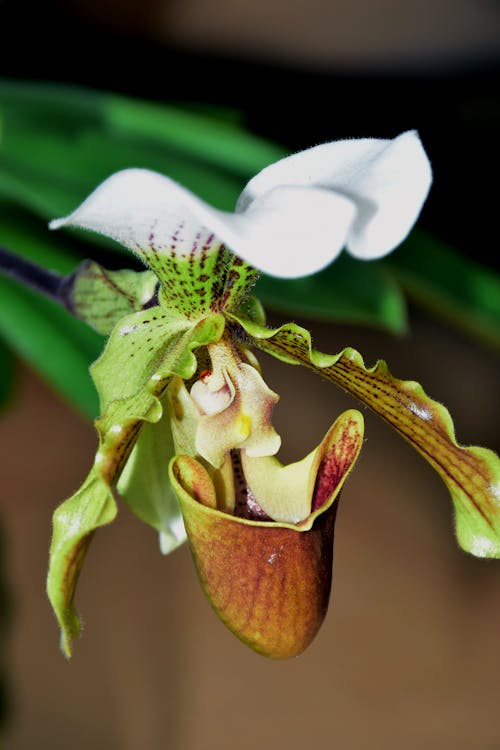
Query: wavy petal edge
x=471, y=473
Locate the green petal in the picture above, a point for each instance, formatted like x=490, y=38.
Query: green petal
x=145, y=484
x=134, y=352
x=148, y=346
x=75, y=521
x=253, y=309
x=119, y=426
x=472, y=474
x=101, y=298
x=93, y=504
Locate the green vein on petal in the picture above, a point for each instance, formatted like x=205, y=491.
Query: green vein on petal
x=101, y=298
x=472, y=474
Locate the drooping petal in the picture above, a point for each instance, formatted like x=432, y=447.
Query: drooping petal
x=92, y=506
x=289, y=231
x=125, y=411
x=74, y=524
x=471, y=474
x=388, y=180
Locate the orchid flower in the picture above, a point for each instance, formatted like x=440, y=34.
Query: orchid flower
x=185, y=432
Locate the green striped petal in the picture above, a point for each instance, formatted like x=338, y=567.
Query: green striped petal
x=472, y=474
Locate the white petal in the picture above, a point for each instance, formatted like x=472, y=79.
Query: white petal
x=292, y=231
x=292, y=219
x=144, y=211
x=287, y=232
x=387, y=179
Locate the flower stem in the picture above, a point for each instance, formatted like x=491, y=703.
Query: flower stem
x=49, y=283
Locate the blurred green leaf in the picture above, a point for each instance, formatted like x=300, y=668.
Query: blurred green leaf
x=216, y=141
x=213, y=134
x=47, y=337
x=57, y=143
x=57, y=345
x=449, y=285
x=347, y=291
x=51, y=174
x=29, y=237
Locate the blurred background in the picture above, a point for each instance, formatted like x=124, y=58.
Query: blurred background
x=408, y=656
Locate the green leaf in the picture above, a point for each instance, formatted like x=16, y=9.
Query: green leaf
x=348, y=290
x=471, y=474
x=211, y=139
x=214, y=136
x=33, y=325
x=449, y=285
x=58, y=143
x=57, y=345
x=50, y=177
x=29, y=238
